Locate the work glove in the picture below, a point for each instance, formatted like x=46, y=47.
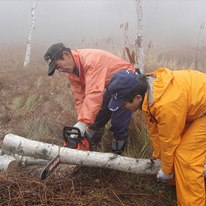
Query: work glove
x=162, y=177
x=82, y=127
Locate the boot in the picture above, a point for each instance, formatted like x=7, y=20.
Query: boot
x=119, y=142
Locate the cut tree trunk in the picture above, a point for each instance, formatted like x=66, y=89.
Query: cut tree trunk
x=26, y=147
x=28, y=161
x=24, y=160
x=8, y=163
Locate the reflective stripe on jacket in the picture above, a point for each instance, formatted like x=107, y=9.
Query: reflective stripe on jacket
x=174, y=98
x=96, y=68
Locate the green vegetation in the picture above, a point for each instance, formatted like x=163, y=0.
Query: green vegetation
x=32, y=101
x=1, y=82
x=18, y=103
x=40, y=82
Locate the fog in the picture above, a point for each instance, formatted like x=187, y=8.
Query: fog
x=90, y=23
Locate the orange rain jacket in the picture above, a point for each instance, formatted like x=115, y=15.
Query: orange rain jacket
x=174, y=98
x=96, y=68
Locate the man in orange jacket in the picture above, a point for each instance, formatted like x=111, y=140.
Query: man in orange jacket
x=174, y=103
x=89, y=72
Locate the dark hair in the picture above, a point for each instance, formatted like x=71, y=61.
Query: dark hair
x=140, y=89
x=60, y=54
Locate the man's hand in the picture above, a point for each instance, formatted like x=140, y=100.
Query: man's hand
x=162, y=177
x=82, y=127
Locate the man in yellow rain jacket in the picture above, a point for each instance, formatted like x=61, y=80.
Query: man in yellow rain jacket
x=174, y=103
x=89, y=72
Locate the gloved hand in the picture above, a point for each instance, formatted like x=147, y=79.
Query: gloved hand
x=162, y=177
x=83, y=127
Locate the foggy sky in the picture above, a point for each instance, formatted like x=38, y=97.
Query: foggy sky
x=167, y=22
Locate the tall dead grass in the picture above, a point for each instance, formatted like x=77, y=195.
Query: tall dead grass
x=176, y=58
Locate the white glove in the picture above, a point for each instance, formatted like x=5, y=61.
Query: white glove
x=82, y=127
x=163, y=176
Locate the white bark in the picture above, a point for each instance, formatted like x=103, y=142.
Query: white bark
x=140, y=37
x=26, y=147
x=109, y=160
x=8, y=163
x=27, y=161
x=28, y=50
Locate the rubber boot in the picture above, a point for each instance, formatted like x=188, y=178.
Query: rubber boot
x=119, y=142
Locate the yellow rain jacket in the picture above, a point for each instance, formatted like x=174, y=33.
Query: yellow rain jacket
x=96, y=68
x=174, y=98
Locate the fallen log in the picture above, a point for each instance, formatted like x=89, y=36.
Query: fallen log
x=24, y=160
x=26, y=147
x=29, y=161
x=8, y=163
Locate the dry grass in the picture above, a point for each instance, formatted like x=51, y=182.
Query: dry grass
x=36, y=106
x=89, y=186
x=176, y=58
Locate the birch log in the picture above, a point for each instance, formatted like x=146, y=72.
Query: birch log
x=28, y=161
x=26, y=147
x=23, y=146
x=8, y=163
x=28, y=49
x=140, y=37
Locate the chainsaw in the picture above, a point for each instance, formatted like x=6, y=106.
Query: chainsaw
x=72, y=139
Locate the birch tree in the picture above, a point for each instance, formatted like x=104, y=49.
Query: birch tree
x=140, y=37
x=28, y=49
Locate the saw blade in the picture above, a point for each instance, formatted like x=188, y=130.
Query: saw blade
x=50, y=167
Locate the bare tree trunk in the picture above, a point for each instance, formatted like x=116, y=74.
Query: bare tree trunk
x=35, y=149
x=28, y=50
x=10, y=161
x=202, y=26
x=7, y=163
x=28, y=161
x=140, y=37
x=26, y=147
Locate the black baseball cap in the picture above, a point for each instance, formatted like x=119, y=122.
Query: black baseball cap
x=50, y=56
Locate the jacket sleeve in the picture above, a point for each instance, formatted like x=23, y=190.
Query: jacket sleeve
x=171, y=117
x=94, y=89
x=79, y=91
x=154, y=135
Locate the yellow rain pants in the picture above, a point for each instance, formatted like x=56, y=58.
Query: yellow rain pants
x=189, y=164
